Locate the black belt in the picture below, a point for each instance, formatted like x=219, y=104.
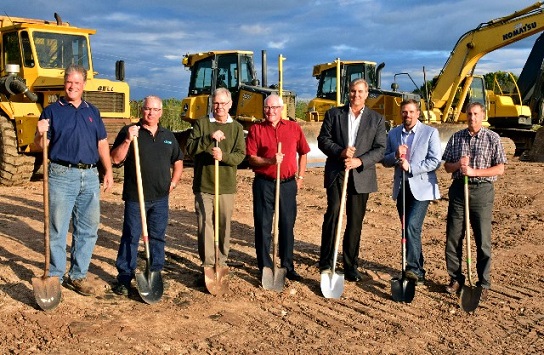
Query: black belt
x=264, y=177
x=77, y=166
x=473, y=182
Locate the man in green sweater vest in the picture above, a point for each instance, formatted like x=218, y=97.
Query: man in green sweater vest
x=230, y=152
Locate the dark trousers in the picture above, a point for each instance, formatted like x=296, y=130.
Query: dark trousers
x=157, y=220
x=413, y=222
x=355, y=213
x=481, y=197
x=263, y=217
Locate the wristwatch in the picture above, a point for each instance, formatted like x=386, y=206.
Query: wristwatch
x=300, y=177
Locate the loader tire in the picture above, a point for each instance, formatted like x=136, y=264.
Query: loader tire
x=15, y=168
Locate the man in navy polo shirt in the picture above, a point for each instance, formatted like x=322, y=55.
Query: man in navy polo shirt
x=77, y=139
x=159, y=151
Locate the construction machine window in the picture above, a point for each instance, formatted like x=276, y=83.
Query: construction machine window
x=327, y=84
x=201, y=78
x=246, y=70
x=57, y=51
x=27, y=50
x=12, y=53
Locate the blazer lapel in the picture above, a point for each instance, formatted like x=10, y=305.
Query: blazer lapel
x=344, y=125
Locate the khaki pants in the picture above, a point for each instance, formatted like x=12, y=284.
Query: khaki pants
x=205, y=220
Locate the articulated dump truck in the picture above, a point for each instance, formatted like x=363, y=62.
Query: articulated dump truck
x=235, y=70
x=34, y=54
x=454, y=87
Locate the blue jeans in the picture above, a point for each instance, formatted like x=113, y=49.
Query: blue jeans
x=415, y=215
x=157, y=220
x=74, y=194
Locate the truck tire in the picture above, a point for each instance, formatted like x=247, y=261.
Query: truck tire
x=15, y=168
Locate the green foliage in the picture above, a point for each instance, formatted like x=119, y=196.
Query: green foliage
x=301, y=108
x=500, y=82
x=171, y=112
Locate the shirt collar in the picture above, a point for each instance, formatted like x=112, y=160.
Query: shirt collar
x=229, y=119
x=63, y=102
x=414, y=129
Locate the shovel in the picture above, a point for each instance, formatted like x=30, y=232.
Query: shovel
x=149, y=283
x=275, y=279
x=46, y=288
x=470, y=295
x=403, y=289
x=332, y=284
x=215, y=277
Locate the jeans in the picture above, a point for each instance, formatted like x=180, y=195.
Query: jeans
x=413, y=221
x=157, y=221
x=74, y=194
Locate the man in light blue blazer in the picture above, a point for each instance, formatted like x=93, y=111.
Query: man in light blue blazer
x=414, y=148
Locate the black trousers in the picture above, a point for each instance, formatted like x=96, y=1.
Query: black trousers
x=263, y=209
x=355, y=213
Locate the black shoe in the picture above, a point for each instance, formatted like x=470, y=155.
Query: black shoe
x=420, y=281
x=293, y=276
x=120, y=289
x=353, y=276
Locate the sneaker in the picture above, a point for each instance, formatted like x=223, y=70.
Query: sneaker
x=81, y=286
x=120, y=289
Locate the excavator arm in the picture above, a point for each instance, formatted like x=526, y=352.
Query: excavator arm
x=476, y=43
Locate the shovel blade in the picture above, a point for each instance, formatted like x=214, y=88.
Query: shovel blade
x=216, y=279
x=402, y=290
x=150, y=286
x=274, y=279
x=46, y=292
x=470, y=298
x=332, y=285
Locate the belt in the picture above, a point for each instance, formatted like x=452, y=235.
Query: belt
x=267, y=178
x=473, y=182
x=77, y=166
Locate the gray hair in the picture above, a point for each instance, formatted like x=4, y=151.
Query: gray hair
x=75, y=68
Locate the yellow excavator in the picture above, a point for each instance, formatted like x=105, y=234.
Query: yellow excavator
x=33, y=56
x=454, y=87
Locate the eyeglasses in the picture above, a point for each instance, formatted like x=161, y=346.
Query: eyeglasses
x=154, y=109
x=221, y=104
x=272, y=108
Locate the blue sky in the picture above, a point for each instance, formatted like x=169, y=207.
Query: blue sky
x=152, y=36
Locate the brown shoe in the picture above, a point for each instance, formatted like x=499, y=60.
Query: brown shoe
x=454, y=287
x=483, y=296
x=81, y=286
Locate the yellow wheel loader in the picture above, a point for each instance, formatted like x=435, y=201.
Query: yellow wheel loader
x=33, y=56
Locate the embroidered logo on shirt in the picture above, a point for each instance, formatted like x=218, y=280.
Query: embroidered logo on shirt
x=167, y=142
x=90, y=119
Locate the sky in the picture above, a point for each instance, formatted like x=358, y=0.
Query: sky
x=152, y=36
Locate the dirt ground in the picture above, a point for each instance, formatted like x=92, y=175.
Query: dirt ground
x=299, y=320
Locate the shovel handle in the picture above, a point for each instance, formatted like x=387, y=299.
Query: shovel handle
x=277, y=208
x=46, y=231
x=141, y=195
x=467, y=229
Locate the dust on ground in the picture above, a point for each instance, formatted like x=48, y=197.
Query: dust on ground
x=300, y=320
